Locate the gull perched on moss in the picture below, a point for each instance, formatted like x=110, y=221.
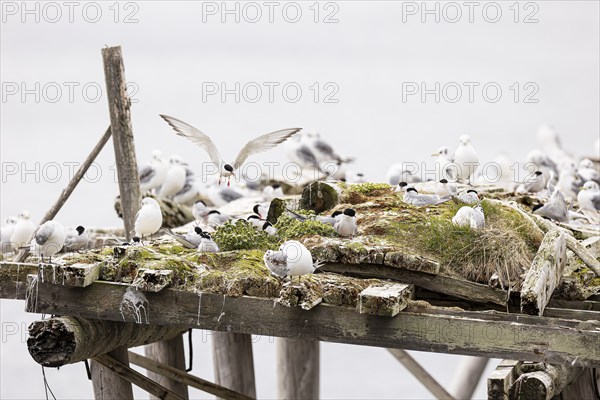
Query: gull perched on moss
x=149, y=218
x=48, y=239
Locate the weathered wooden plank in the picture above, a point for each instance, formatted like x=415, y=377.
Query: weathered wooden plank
x=78, y=275
x=58, y=341
x=545, y=273
x=585, y=386
x=467, y=376
x=544, y=383
x=460, y=288
x=66, y=193
x=184, y=377
x=421, y=374
x=580, y=315
x=298, y=369
x=501, y=380
x=590, y=305
x=13, y=279
x=136, y=378
x=168, y=352
x=120, y=121
x=152, y=280
x=490, y=334
x=233, y=362
x=107, y=384
x=387, y=300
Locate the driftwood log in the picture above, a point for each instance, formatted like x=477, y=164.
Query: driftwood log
x=66, y=340
x=545, y=382
x=320, y=196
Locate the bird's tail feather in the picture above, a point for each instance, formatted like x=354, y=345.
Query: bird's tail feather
x=318, y=264
x=295, y=215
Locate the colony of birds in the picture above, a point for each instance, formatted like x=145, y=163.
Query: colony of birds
x=558, y=187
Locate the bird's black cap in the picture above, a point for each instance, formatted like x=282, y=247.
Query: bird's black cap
x=360, y=174
x=80, y=229
x=472, y=191
x=253, y=217
x=538, y=173
x=200, y=201
x=276, y=186
x=412, y=189
x=228, y=167
x=343, y=180
x=198, y=230
x=266, y=225
x=443, y=180
x=214, y=212
x=349, y=212
x=402, y=184
x=136, y=239
x=336, y=213
x=205, y=235
x=537, y=206
x=255, y=208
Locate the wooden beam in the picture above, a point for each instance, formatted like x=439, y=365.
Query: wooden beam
x=545, y=273
x=501, y=379
x=544, y=383
x=58, y=341
x=106, y=383
x=66, y=193
x=467, y=376
x=135, y=377
x=386, y=300
x=491, y=334
x=120, y=121
x=584, y=254
x=585, y=386
x=184, y=377
x=168, y=352
x=421, y=374
x=460, y=288
x=298, y=369
x=78, y=275
x=13, y=279
x=233, y=362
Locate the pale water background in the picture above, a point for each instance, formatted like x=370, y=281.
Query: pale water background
x=170, y=51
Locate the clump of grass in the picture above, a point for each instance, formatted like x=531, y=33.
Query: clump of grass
x=369, y=189
x=291, y=228
x=241, y=235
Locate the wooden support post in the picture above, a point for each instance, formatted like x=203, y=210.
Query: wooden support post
x=467, y=376
x=120, y=369
x=64, y=195
x=233, y=362
x=501, y=380
x=168, y=352
x=421, y=374
x=545, y=273
x=120, y=121
x=184, y=377
x=545, y=382
x=58, y=341
x=585, y=386
x=106, y=383
x=298, y=369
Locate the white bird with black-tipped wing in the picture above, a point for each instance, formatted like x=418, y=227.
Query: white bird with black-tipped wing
x=257, y=145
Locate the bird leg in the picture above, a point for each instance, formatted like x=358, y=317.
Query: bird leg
x=228, y=181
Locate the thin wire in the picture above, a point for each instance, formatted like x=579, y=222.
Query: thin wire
x=191, y=348
x=46, y=386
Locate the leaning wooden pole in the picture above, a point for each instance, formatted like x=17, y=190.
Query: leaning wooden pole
x=106, y=383
x=169, y=352
x=298, y=369
x=233, y=362
x=120, y=121
x=66, y=193
x=467, y=377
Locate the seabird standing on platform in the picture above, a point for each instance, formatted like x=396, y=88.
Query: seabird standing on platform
x=536, y=183
x=207, y=244
x=587, y=172
x=149, y=218
x=190, y=240
x=446, y=189
x=346, y=226
x=257, y=145
x=214, y=218
x=589, y=201
x=175, y=180
x=470, y=197
x=23, y=231
x=48, y=240
x=466, y=159
x=292, y=259
x=269, y=228
x=443, y=159
x=261, y=211
x=199, y=210
x=76, y=240
x=5, y=234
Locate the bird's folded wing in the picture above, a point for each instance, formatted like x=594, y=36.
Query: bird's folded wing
x=263, y=143
x=197, y=137
x=146, y=173
x=596, y=201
